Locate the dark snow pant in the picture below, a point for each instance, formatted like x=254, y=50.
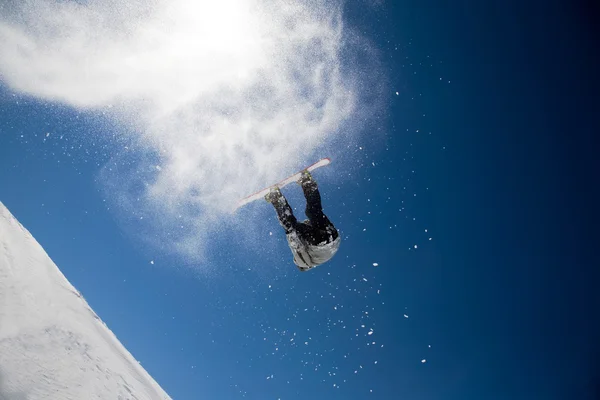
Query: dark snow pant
x=317, y=229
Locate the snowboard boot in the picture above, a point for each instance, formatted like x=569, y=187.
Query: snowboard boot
x=274, y=195
x=306, y=180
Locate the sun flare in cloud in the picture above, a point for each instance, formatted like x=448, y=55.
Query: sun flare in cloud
x=222, y=97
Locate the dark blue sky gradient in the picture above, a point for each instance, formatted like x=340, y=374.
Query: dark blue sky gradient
x=489, y=146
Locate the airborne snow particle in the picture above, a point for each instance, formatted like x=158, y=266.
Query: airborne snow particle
x=423, y=361
x=375, y=264
x=405, y=316
x=152, y=262
x=370, y=333
x=415, y=246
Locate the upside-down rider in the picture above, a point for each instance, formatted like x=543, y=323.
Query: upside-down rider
x=313, y=241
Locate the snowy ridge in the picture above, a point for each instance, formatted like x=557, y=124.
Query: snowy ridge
x=52, y=345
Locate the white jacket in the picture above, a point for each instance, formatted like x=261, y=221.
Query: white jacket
x=307, y=256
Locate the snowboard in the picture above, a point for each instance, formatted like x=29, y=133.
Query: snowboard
x=293, y=178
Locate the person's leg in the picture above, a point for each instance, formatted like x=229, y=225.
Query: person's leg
x=284, y=213
x=320, y=228
x=314, y=208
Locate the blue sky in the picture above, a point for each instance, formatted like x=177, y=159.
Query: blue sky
x=468, y=189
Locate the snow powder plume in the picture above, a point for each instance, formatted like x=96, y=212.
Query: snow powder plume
x=52, y=345
x=223, y=97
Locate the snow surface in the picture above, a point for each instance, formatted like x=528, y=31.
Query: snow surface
x=52, y=345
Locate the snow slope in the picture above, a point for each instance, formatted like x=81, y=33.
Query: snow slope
x=52, y=345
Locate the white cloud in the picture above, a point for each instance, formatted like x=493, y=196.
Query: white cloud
x=224, y=96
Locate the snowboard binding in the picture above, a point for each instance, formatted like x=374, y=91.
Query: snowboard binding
x=306, y=180
x=305, y=177
x=274, y=195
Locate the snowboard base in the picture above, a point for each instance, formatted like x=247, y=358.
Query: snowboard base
x=293, y=178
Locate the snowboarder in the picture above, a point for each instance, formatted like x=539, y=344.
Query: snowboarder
x=313, y=241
